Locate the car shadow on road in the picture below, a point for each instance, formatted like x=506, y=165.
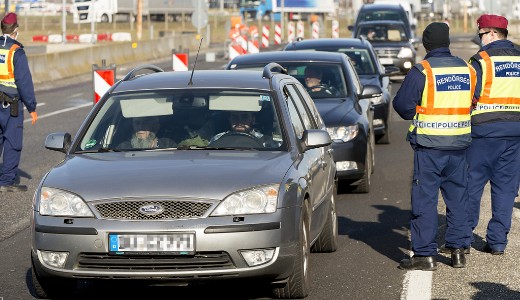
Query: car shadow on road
x=388, y=235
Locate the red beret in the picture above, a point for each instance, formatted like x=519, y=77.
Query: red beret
x=492, y=21
x=10, y=18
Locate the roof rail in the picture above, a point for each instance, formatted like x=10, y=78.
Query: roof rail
x=133, y=73
x=268, y=70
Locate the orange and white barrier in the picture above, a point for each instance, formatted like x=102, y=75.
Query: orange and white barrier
x=252, y=46
x=265, y=36
x=315, y=30
x=300, y=30
x=335, y=29
x=180, y=62
x=277, y=34
x=290, y=32
x=235, y=49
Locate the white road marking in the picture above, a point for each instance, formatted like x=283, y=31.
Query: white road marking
x=417, y=285
x=59, y=112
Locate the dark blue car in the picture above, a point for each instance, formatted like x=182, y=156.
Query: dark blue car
x=345, y=106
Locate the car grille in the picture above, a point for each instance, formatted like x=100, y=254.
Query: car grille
x=387, y=52
x=129, y=210
x=144, y=263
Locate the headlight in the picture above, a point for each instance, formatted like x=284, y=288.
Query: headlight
x=343, y=133
x=54, y=202
x=377, y=99
x=405, y=52
x=257, y=200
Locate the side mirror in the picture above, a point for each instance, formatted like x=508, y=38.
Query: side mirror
x=350, y=27
x=370, y=91
x=315, y=138
x=391, y=70
x=58, y=141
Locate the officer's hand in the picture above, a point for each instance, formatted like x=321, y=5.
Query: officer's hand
x=34, y=117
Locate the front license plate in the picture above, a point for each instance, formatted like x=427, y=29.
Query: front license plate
x=171, y=243
x=386, y=61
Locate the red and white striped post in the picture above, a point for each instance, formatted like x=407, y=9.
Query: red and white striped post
x=335, y=29
x=315, y=30
x=102, y=78
x=277, y=34
x=180, y=61
x=290, y=32
x=300, y=31
x=265, y=36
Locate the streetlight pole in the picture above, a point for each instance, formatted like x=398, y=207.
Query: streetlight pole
x=63, y=22
x=6, y=6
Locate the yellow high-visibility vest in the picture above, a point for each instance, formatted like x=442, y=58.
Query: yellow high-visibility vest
x=7, y=83
x=443, y=119
x=500, y=92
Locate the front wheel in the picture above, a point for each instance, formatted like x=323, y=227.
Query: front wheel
x=298, y=284
x=45, y=288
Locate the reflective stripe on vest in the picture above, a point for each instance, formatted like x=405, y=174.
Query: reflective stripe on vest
x=443, y=117
x=7, y=83
x=500, y=86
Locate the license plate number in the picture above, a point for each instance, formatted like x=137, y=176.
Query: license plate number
x=386, y=61
x=176, y=243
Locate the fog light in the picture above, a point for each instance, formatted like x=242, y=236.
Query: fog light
x=257, y=256
x=407, y=65
x=346, y=165
x=378, y=122
x=53, y=259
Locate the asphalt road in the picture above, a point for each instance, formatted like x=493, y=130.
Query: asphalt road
x=373, y=227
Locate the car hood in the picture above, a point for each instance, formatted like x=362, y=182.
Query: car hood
x=333, y=111
x=378, y=45
x=178, y=174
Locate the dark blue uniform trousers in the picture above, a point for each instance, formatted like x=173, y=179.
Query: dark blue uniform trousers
x=434, y=170
x=497, y=161
x=11, y=137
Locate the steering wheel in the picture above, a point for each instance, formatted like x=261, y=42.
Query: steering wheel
x=324, y=88
x=235, y=139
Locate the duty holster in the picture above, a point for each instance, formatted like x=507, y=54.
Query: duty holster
x=12, y=102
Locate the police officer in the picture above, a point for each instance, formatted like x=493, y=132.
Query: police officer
x=15, y=85
x=494, y=154
x=436, y=96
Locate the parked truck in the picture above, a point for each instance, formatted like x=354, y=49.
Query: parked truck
x=299, y=9
x=108, y=11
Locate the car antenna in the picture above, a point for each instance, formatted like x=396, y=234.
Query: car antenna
x=195, y=63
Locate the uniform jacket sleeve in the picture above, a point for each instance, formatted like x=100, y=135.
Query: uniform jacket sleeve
x=410, y=94
x=476, y=65
x=23, y=80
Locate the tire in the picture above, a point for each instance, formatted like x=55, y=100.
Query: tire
x=385, y=138
x=45, y=288
x=327, y=240
x=364, y=183
x=104, y=18
x=298, y=283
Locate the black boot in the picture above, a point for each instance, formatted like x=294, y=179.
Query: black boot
x=424, y=263
x=444, y=249
x=458, y=260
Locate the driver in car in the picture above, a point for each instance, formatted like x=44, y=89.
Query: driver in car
x=315, y=88
x=241, y=122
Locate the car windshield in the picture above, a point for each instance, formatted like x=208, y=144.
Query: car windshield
x=361, y=60
x=380, y=15
x=332, y=83
x=184, y=120
x=383, y=33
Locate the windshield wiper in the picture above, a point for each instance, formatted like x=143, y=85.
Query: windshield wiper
x=106, y=149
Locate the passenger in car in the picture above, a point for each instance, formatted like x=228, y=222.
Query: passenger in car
x=315, y=87
x=145, y=135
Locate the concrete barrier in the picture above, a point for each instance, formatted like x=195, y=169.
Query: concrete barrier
x=58, y=65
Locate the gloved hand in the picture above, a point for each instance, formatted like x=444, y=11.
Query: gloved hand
x=34, y=117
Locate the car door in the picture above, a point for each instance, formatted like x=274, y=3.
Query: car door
x=314, y=159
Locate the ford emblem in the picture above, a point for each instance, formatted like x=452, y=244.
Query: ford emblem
x=151, y=209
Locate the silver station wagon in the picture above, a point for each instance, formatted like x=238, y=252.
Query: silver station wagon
x=189, y=177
